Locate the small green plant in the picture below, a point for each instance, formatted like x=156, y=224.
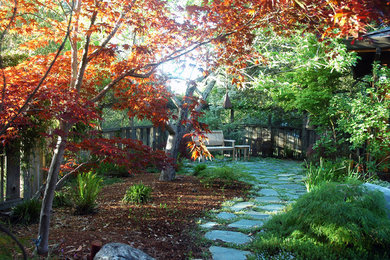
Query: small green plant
x=138, y=193
x=85, y=193
x=198, y=168
x=62, y=199
x=333, y=221
x=26, y=212
x=223, y=175
x=329, y=171
x=111, y=169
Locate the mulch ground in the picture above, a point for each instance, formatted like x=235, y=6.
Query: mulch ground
x=164, y=228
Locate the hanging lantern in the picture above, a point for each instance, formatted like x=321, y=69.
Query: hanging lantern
x=226, y=102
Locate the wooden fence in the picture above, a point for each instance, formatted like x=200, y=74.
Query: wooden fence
x=151, y=136
x=22, y=183
x=282, y=142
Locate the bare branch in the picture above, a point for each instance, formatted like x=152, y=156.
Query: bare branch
x=84, y=60
x=63, y=179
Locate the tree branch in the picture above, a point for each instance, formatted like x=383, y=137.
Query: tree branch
x=30, y=97
x=2, y=35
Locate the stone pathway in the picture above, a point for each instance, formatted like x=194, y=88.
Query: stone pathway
x=278, y=183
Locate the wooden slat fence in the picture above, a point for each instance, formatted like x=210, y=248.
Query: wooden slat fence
x=283, y=142
x=151, y=136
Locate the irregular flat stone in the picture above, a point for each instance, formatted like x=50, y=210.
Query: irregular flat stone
x=268, y=192
x=256, y=215
x=268, y=199
x=272, y=207
x=286, y=174
x=292, y=187
x=118, y=251
x=246, y=224
x=209, y=225
x=241, y=205
x=228, y=236
x=224, y=253
x=385, y=191
x=226, y=215
x=292, y=196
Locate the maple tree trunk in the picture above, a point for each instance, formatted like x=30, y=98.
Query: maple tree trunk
x=47, y=202
x=172, y=149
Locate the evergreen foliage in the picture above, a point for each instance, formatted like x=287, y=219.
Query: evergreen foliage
x=27, y=212
x=334, y=221
x=138, y=194
x=85, y=193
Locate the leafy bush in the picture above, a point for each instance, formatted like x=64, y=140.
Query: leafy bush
x=112, y=169
x=61, y=199
x=26, y=212
x=85, y=192
x=329, y=171
x=334, y=221
x=224, y=175
x=198, y=168
x=138, y=193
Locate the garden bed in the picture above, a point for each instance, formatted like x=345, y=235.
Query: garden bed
x=164, y=228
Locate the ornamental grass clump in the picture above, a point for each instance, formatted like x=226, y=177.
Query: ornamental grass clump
x=85, y=193
x=138, y=194
x=223, y=175
x=27, y=212
x=334, y=221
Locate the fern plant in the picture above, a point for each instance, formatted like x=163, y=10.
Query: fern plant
x=138, y=193
x=85, y=192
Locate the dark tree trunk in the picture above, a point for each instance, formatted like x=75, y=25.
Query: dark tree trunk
x=12, y=151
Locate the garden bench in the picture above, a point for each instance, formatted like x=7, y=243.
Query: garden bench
x=216, y=142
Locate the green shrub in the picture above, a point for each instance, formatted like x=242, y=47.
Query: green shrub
x=85, y=193
x=61, y=199
x=138, y=193
x=27, y=212
x=111, y=169
x=224, y=175
x=329, y=171
x=334, y=221
x=198, y=168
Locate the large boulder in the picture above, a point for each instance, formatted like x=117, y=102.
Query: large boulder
x=119, y=251
x=385, y=191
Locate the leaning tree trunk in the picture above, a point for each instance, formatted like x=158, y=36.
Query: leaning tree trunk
x=47, y=202
x=172, y=149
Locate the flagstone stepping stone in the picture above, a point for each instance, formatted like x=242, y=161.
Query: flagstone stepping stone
x=224, y=253
x=246, y=224
x=271, y=199
x=228, y=236
x=284, y=178
x=268, y=192
x=286, y=174
x=272, y=207
x=292, y=196
x=292, y=187
x=241, y=205
x=256, y=215
x=226, y=215
x=269, y=180
x=209, y=225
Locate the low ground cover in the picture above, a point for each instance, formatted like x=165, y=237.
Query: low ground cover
x=163, y=228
